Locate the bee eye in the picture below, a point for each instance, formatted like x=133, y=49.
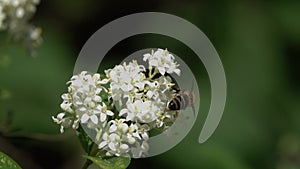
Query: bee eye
x=171, y=105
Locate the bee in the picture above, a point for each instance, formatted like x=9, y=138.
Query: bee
x=182, y=99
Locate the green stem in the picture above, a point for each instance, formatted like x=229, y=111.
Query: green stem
x=154, y=73
x=150, y=71
x=87, y=164
x=93, y=152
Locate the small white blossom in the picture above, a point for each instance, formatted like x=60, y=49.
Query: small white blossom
x=121, y=139
x=67, y=103
x=163, y=61
x=140, y=111
x=140, y=149
x=104, y=113
x=20, y=12
x=62, y=121
x=35, y=35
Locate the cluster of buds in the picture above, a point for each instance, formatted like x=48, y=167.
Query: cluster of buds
x=123, y=106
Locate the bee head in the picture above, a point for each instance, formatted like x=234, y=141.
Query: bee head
x=172, y=105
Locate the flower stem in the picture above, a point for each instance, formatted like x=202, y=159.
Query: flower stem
x=93, y=152
x=87, y=164
x=150, y=71
x=154, y=73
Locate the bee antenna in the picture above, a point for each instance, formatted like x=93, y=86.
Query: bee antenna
x=193, y=107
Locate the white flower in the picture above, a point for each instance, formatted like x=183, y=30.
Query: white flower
x=165, y=118
x=114, y=140
x=67, y=103
x=140, y=111
x=64, y=121
x=89, y=116
x=163, y=61
x=104, y=113
x=163, y=88
x=59, y=118
x=84, y=90
x=140, y=149
x=126, y=80
x=20, y=12
x=121, y=139
x=35, y=35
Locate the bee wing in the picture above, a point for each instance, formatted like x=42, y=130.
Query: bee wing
x=192, y=88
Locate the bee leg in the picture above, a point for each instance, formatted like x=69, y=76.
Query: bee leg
x=194, y=111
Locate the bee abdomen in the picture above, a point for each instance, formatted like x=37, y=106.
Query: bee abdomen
x=185, y=101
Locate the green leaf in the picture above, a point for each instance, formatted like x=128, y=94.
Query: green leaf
x=7, y=163
x=84, y=139
x=111, y=163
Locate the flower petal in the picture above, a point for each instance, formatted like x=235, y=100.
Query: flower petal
x=124, y=147
x=110, y=113
x=102, y=144
x=94, y=119
x=177, y=71
x=102, y=117
x=113, y=128
x=112, y=146
x=123, y=111
x=85, y=118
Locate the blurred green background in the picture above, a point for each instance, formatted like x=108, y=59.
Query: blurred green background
x=259, y=45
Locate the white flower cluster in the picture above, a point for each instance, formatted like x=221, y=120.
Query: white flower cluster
x=121, y=138
x=126, y=80
x=14, y=17
x=82, y=103
x=141, y=95
x=163, y=61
